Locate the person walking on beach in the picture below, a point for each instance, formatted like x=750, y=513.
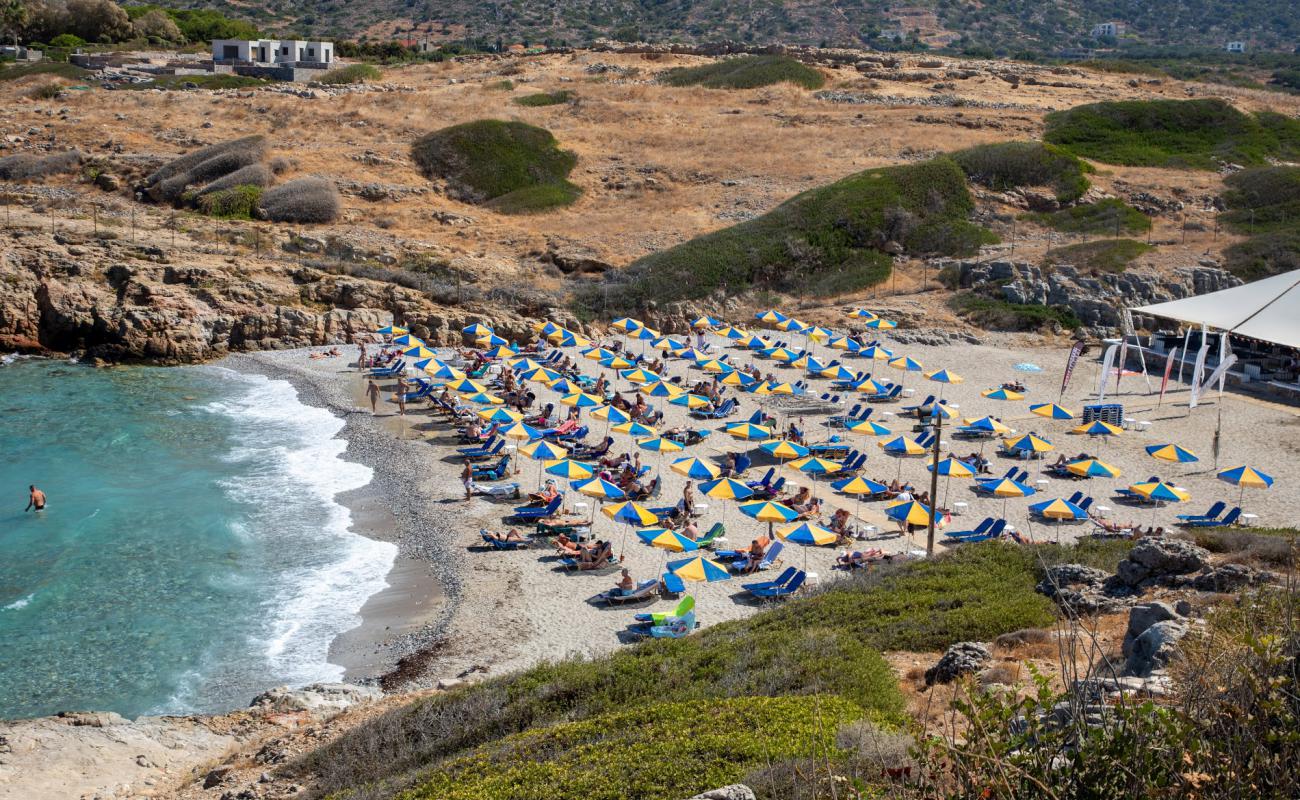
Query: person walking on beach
x=372, y=392
x=467, y=478
x=35, y=499
x=401, y=397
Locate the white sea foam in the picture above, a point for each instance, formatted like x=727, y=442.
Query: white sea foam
x=21, y=602
x=291, y=468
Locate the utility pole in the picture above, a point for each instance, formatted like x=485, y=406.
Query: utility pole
x=937, y=417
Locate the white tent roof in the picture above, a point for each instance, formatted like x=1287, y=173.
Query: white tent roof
x=1268, y=309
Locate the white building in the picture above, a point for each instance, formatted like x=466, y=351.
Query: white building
x=1235, y=47
x=272, y=51
x=1111, y=29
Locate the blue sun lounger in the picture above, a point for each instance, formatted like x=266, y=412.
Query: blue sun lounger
x=768, y=591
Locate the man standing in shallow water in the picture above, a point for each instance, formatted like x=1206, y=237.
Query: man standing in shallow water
x=36, y=498
x=372, y=392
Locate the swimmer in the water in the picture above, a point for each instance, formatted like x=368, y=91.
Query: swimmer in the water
x=35, y=498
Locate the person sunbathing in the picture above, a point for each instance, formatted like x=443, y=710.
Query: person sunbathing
x=810, y=510
x=568, y=547
x=798, y=498
x=840, y=526
x=511, y=535
x=690, y=530
x=753, y=556
x=1115, y=527
x=596, y=557
x=544, y=497
x=859, y=558
x=625, y=584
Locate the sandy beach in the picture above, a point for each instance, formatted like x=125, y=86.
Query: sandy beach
x=470, y=610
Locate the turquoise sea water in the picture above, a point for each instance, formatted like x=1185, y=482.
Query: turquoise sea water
x=191, y=554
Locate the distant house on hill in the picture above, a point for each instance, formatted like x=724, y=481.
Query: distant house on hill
x=1235, y=47
x=1112, y=29
x=272, y=51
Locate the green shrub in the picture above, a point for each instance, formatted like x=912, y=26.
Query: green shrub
x=746, y=72
x=521, y=166
x=1103, y=255
x=997, y=314
x=1008, y=165
x=500, y=86
x=67, y=40
x=1110, y=216
x=353, y=73
x=239, y=202
x=258, y=175
x=830, y=239
x=1198, y=134
x=25, y=166
x=544, y=99
x=1264, y=199
x=664, y=751
x=45, y=91
x=57, y=69
x=1267, y=254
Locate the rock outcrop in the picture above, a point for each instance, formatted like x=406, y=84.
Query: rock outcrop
x=1096, y=299
x=963, y=658
x=735, y=791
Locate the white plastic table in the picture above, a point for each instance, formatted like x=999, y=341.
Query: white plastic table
x=1248, y=519
x=959, y=508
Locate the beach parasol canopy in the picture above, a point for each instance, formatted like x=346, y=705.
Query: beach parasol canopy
x=843, y=343
x=781, y=354
x=662, y=389
x=599, y=354
x=392, y=330
x=467, y=385
x=689, y=400
x=1058, y=509
x=699, y=569
x=952, y=468
x=667, y=540
x=491, y=340
x=906, y=363
x=441, y=371
x=839, y=372
x=726, y=489
x=715, y=366
x=1051, y=411
x=630, y=513
x=771, y=316
x=1098, y=428
x=544, y=451
x=482, y=398
x=738, y=378
x=881, y=324
x=783, y=388
x=862, y=313
x=626, y=324
x=570, y=469
x=659, y=445
x=521, y=432
x=1002, y=394
x=768, y=511
x=945, y=376
x=615, y=362
x=858, y=485
x=868, y=427
x=747, y=430
x=634, y=428
x=407, y=340
x=696, y=468
x=909, y=512
x=1030, y=443
x=611, y=415
x=668, y=343
x=419, y=351
x=876, y=352
x=782, y=449
x=1006, y=487
x=638, y=376
x=987, y=423
x=706, y=321
x=477, y=329
x=1159, y=491
x=807, y=533
x=872, y=386
x=501, y=415
x=598, y=488
x=1246, y=477
x=541, y=375
x=902, y=446
x=499, y=352
x=525, y=364
x=1092, y=468
x=1171, y=452
x=565, y=386
x=812, y=465
x=819, y=334
x=582, y=400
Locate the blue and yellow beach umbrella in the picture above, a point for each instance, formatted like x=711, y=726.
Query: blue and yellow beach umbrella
x=467, y=385
x=867, y=427
x=838, y=372
x=570, y=469
x=634, y=428
x=482, y=398
x=419, y=351
x=541, y=375
x=598, y=488
x=1246, y=477
x=500, y=415
x=783, y=449
x=1005, y=487
x=630, y=513
x=441, y=371
x=1051, y=411
x=738, y=378
x=812, y=465
x=1098, y=428
x=807, y=533
x=696, y=468
x=500, y=351
x=699, y=569
x=659, y=444
x=667, y=540
x=477, y=329
x=747, y=430
x=582, y=400
x=1058, y=509
x=726, y=489
x=876, y=352
x=615, y=362
x=701, y=323
x=952, y=468
x=611, y=415
x=1171, y=452
x=520, y=431
x=843, y=343
x=1092, y=468
x=639, y=375
x=771, y=316
x=1029, y=443
x=859, y=485
x=407, y=340
x=1002, y=394
x=902, y=446
x=945, y=376
x=691, y=401
x=881, y=324
x=1159, y=491
x=392, y=330
x=544, y=451
x=627, y=324
x=662, y=389
x=987, y=423
x=909, y=512
x=768, y=511
x=906, y=363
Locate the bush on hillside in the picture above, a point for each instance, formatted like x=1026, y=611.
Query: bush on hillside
x=1102, y=255
x=544, y=99
x=1110, y=216
x=238, y=202
x=1009, y=165
x=354, y=73
x=746, y=72
x=60, y=69
x=663, y=751
x=182, y=172
x=1200, y=134
x=993, y=313
x=25, y=166
x=1262, y=199
x=49, y=90
x=1270, y=253
x=252, y=175
x=491, y=159
x=831, y=239
x=304, y=200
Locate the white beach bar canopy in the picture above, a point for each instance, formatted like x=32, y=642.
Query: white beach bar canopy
x=1268, y=309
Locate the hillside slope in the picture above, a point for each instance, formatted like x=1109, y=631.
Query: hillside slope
x=1014, y=24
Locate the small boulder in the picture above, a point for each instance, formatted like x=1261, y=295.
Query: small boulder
x=1227, y=578
x=963, y=658
x=736, y=791
x=318, y=698
x=216, y=776
x=1169, y=556
x=1143, y=616
x=1155, y=648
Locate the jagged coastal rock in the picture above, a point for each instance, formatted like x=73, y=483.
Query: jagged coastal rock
x=963, y=658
